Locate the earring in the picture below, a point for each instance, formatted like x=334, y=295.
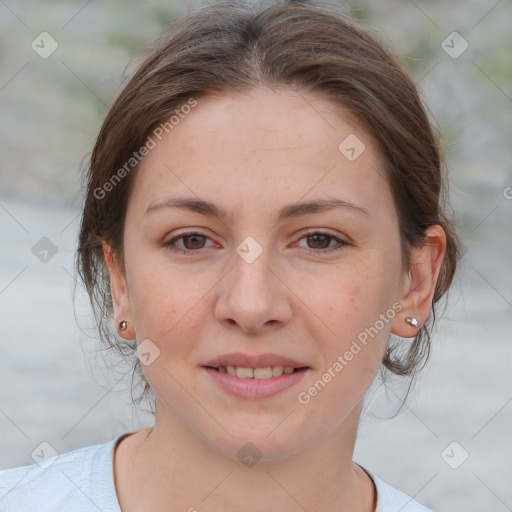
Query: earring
x=123, y=325
x=411, y=321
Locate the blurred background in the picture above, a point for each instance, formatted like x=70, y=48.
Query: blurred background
x=62, y=63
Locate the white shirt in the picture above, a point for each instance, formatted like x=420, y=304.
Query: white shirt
x=83, y=481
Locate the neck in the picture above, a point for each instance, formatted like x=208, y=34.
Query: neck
x=168, y=467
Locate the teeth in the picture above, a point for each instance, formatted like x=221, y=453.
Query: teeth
x=244, y=373
x=263, y=373
x=256, y=373
x=277, y=370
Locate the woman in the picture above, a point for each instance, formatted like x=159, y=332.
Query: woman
x=264, y=207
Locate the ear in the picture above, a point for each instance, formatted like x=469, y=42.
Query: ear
x=419, y=285
x=120, y=296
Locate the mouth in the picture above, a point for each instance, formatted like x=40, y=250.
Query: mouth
x=255, y=383
x=267, y=372
x=254, y=375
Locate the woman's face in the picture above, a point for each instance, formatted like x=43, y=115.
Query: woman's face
x=307, y=284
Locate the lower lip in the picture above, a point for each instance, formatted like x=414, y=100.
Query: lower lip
x=255, y=388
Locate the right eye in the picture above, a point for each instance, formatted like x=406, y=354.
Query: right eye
x=193, y=239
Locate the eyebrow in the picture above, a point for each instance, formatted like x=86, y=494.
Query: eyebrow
x=291, y=210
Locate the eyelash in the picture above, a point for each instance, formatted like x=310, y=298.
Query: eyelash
x=303, y=234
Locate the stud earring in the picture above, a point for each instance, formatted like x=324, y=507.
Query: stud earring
x=123, y=325
x=411, y=321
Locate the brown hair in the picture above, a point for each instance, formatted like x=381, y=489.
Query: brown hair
x=233, y=47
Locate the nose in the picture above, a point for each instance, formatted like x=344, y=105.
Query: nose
x=254, y=297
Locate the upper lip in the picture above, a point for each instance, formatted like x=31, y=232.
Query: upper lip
x=256, y=361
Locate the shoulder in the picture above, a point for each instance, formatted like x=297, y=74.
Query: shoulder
x=79, y=480
x=390, y=499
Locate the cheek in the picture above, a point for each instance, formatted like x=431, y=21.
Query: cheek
x=351, y=356
x=352, y=334
x=168, y=305
x=346, y=299
x=170, y=310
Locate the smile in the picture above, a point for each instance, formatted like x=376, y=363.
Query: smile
x=255, y=383
x=245, y=372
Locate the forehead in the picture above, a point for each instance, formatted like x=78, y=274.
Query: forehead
x=261, y=148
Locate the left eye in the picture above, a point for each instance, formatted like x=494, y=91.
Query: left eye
x=319, y=238
x=193, y=241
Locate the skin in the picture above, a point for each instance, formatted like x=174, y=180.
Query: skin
x=251, y=154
